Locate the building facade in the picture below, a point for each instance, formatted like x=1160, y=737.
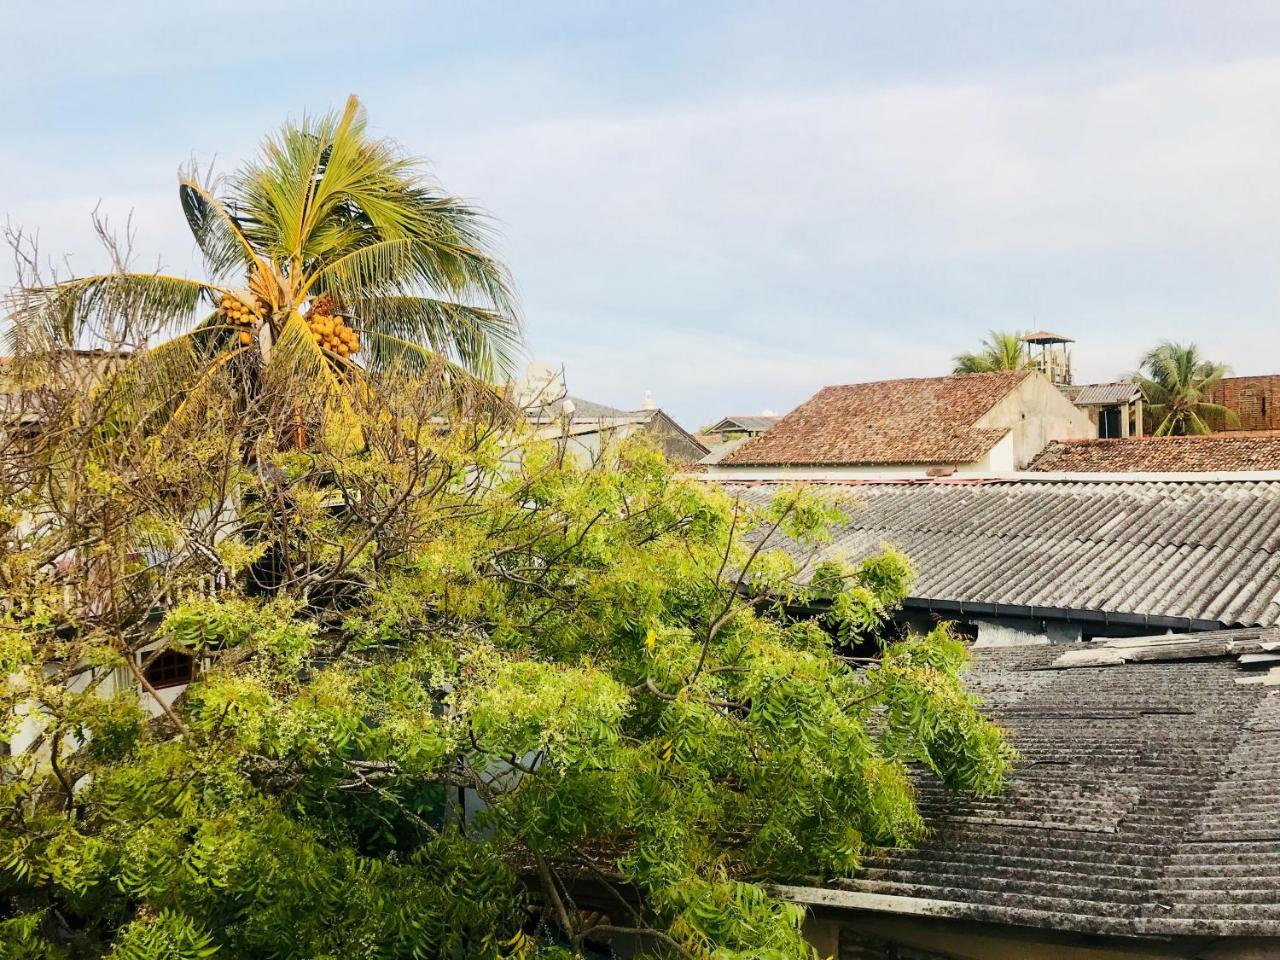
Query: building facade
x=986, y=424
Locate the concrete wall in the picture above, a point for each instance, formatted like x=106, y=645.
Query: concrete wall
x=1036, y=412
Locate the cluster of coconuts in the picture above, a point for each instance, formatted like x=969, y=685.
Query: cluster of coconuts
x=239, y=314
x=329, y=329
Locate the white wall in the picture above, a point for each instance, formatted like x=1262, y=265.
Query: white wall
x=1037, y=413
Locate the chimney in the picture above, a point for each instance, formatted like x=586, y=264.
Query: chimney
x=648, y=401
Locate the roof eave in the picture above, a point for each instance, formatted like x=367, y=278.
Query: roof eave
x=859, y=901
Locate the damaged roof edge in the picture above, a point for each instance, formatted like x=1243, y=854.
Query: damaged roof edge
x=1063, y=614
x=1068, y=614
x=860, y=901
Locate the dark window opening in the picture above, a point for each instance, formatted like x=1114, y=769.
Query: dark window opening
x=1109, y=423
x=170, y=669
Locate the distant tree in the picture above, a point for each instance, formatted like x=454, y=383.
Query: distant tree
x=1003, y=351
x=1176, y=381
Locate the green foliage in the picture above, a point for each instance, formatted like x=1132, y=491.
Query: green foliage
x=440, y=688
x=1177, y=384
x=1001, y=351
x=167, y=936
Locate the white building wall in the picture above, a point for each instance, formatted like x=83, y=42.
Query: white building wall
x=1037, y=413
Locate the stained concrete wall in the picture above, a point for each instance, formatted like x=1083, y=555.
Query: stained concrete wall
x=1037, y=413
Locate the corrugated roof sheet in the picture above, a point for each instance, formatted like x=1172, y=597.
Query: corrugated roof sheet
x=1215, y=452
x=920, y=420
x=749, y=424
x=1161, y=551
x=1146, y=802
x=1093, y=394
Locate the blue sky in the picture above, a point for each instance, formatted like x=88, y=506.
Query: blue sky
x=728, y=204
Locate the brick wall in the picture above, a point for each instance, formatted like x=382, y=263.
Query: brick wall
x=1255, y=400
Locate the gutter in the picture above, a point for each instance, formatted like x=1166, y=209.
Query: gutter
x=1067, y=614
x=856, y=901
x=751, y=476
x=966, y=608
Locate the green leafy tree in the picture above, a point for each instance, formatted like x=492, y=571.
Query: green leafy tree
x=1176, y=383
x=480, y=707
x=452, y=694
x=1002, y=351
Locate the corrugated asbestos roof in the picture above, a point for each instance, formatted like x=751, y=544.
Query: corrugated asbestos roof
x=1092, y=394
x=749, y=424
x=1211, y=453
x=918, y=420
x=1146, y=801
x=1139, y=551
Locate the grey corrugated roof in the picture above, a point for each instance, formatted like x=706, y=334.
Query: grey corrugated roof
x=1145, y=802
x=756, y=424
x=588, y=409
x=1094, y=394
x=1206, y=551
x=721, y=450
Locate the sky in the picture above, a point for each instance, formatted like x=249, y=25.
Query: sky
x=726, y=204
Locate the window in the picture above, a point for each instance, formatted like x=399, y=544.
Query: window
x=170, y=669
x=1109, y=422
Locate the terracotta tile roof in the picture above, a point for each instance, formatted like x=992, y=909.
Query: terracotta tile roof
x=1216, y=452
x=919, y=420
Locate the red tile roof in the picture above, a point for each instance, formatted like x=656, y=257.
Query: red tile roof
x=1215, y=452
x=919, y=420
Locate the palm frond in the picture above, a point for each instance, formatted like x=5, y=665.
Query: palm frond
x=485, y=342
x=972, y=363
x=382, y=266
x=1001, y=351
x=454, y=386
x=217, y=232
x=136, y=306
x=296, y=358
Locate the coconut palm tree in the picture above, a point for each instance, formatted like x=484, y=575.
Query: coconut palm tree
x=328, y=256
x=1176, y=382
x=1003, y=351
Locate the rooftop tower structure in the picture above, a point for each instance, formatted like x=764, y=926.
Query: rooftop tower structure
x=1051, y=355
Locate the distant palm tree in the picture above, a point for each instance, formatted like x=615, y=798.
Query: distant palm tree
x=1177, y=384
x=1003, y=351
